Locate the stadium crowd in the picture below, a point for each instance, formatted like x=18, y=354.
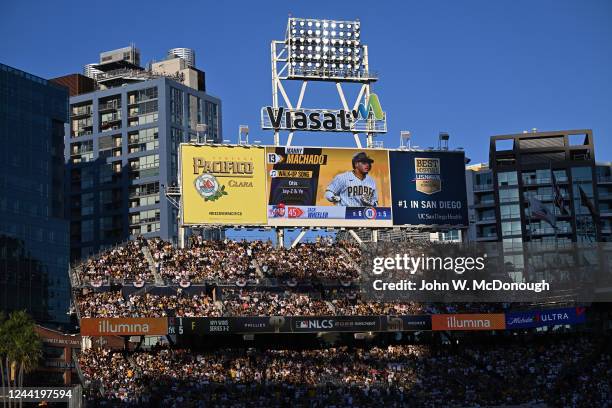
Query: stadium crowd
x=322, y=260
x=121, y=263
x=205, y=260
x=554, y=371
x=248, y=302
x=114, y=304
x=224, y=261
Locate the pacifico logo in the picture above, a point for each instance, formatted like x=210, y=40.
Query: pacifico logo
x=208, y=185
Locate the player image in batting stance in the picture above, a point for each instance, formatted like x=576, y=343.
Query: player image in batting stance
x=354, y=188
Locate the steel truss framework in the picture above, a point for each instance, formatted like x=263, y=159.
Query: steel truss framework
x=283, y=71
x=280, y=72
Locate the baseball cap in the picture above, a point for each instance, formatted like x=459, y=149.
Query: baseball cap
x=362, y=157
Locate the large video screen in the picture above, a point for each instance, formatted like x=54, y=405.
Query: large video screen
x=428, y=188
x=328, y=187
x=321, y=187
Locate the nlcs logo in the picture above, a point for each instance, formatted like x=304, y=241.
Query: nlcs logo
x=372, y=104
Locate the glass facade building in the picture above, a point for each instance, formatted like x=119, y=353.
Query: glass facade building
x=530, y=174
x=122, y=151
x=34, y=247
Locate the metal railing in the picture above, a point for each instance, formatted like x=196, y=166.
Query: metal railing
x=482, y=187
x=136, y=74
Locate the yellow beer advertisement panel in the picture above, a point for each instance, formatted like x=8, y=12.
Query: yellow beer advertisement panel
x=223, y=185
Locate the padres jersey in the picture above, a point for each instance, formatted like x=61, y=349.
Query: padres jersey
x=351, y=190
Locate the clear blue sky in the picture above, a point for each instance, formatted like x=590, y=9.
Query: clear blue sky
x=471, y=68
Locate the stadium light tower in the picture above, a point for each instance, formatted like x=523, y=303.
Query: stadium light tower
x=323, y=50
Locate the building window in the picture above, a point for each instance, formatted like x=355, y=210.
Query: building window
x=142, y=95
x=87, y=230
x=511, y=228
x=211, y=118
x=144, y=194
x=176, y=106
x=192, y=111
x=145, y=166
x=507, y=178
x=510, y=211
x=582, y=174
x=483, y=179
x=109, y=110
x=143, y=140
x=508, y=195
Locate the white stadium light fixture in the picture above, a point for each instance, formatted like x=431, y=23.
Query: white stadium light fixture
x=331, y=47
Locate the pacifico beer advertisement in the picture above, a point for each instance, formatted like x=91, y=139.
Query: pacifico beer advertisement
x=223, y=185
x=328, y=187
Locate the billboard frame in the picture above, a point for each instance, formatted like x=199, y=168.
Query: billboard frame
x=182, y=224
x=267, y=226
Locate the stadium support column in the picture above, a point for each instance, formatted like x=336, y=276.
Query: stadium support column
x=280, y=237
x=299, y=237
x=354, y=235
x=181, y=236
x=374, y=235
x=274, y=89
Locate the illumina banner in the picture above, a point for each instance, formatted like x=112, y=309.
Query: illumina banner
x=428, y=188
x=310, y=186
x=223, y=185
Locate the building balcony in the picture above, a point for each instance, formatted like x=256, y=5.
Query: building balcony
x=491, y=220
x=482, y=204
x=483, y=187
x=486, y=238
x=543, y=181
x=548, y=231
x=109, y=106
x=81, y=113
x=134, y=102
x=82, y=133
x=604, y=179
x=605, y=196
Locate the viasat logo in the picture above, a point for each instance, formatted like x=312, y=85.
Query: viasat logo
x=372, y=104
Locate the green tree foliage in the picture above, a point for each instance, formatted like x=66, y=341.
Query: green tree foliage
x=20, y=348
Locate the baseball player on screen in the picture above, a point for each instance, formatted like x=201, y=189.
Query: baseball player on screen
x=354, y=188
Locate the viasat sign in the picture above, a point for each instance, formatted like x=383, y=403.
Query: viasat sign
x=313, y=186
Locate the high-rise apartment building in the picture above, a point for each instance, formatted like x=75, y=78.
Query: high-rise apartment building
x=122, y=151
x=524, y=167
x=186, y=54
x=523, y=164
x=34, y=245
